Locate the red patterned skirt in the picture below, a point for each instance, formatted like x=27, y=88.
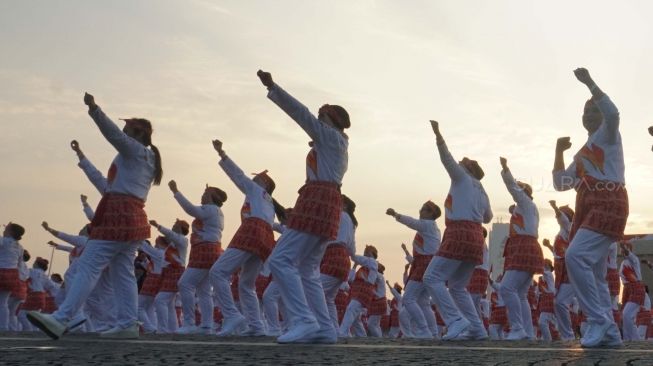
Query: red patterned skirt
x=317, y=210
x=394, y=318
x=120, y=217
x=479, y=281
x=50, y=305
x=643, y=317
x=335, y=262
x=614, y=282
x=545, y=304
x=203, y=255
x=523, y=253
x=463, y=241
x=9, y=279
x=169, y=278
x=341, y=301
x=560, y=271
x=151, y=284
x=20, y=291
x=362, y=291
x=633, y=292
x=254, y=236
x=378, y=306
x=418, y=267
x=601, y=206
x=498, y=315
x=34, y=301
x=385, y=322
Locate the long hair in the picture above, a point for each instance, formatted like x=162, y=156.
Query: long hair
x=146, y=126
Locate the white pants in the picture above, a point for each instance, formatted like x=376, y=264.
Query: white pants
x=4, y=310
x=271, y=297
x=100, y=302
x=250, y=266
x=564, y=298
x=476, y=299
x=98, y=255
x=295, y=265
x=629, y=326
x=13, y=305
x=641, y=329
x=457, y=274
x=418, y=304
x=352, y=315
x=394, y=332
x=358, y=329
x=514, y=290
x=405, y=322
x=496, y=332
x=331, y=285
x=146, y=313
x=196, y=280
x=586, y=261
x=374, y=326
x=544, y=321
x=166, y=313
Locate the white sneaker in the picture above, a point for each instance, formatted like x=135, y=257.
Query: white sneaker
x=516, y=335
x=477, y=334
x=612, y=338
x=130, y=332
x=298, y=331
x=47, y=323
x=456, y=328
x=230, y=325
x=595, y=334
x=322, y=336
x=187, y=329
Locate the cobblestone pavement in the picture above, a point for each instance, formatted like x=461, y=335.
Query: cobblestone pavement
x=87, y=349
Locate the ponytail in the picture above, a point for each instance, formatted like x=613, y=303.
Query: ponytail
x=158, y=170
x=279, y=210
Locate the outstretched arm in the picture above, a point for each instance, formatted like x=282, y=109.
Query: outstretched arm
x=88, y=211
x=602, y=101
x=232, y=170
x=518, y=195
x=186, y=205
x=452, y=167
x=412, y=223
x=95, y=176
x=563, y=180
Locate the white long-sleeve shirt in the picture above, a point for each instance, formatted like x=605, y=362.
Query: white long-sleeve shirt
x=157, y=256
x=427, y=238
x=601, y=157
x=630, y=270
x=178, y=241
x=11, y=253
x=565, y=226
x=398, y=297
x=37, y=278
x=258, y=202
x=346, y=231
x=380, y=286
x=370, y=264
x=210, y=220
x=327, y=160
x=526, y=217
x=612, y=256
x=547, y=277
x=23, y=271
x=132, y=170
x=467, y=199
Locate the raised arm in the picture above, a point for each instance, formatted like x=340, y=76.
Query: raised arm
x=455, y=171
x=412, y=223
x=518, y=195
x=232, y=170
x=96, y=178
x=608, y=109
x=547, y=244
x=64, y=248
x=186, y=205
x=173, y=237
x=119, y=140
x=315, y=129
x=88, y=211
x=563, y=180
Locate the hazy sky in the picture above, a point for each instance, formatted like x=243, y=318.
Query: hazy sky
x=496, y=74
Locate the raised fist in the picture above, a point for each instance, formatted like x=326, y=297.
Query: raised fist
x=266, y=78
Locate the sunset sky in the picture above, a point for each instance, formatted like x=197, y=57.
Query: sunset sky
x=497, y=75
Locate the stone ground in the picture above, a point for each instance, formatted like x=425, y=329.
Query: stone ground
x=83, y=349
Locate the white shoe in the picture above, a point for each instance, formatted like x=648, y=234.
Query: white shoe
x=477, y=334
x=130, y=332
x=75, y=323
x=47, y=323
x=298, y=331
x=595, y=334
x=516, y=335
x=456, y=328
x=425, y=334
x=322, y=336
x=230, y=325
x=612, y=338
x=253, y=333
x=187, y=329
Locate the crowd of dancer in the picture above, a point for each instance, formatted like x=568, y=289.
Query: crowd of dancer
x=311, y=285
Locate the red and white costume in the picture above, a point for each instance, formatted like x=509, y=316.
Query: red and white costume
x=633, y=295
x=466, y=207
x=498, y=313
x=295, y=260
x=597, y=174
x=150, y=288
x=247, y=251
x=644, y=318
x=35, y=296
x=378, y=308
x=416, y=298
x=477, y=286
x=361, y=292
x=523, y=258
x=11, y=254
x=564, y=296
x=335, y=265
x=545, y=305
x=172, y=269
x=205, y=249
